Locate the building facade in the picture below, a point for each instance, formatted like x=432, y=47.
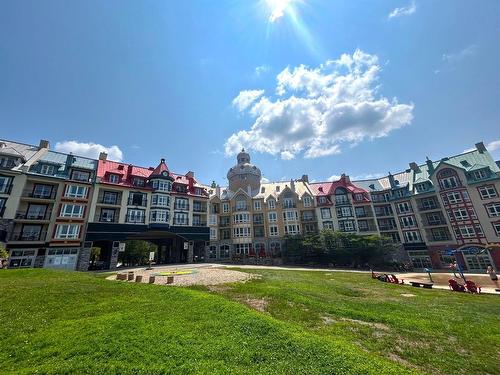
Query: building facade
x=55, y=208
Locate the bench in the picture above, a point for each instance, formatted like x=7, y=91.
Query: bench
x=418, y=284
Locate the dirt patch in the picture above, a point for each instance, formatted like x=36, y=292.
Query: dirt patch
x=327, y=319
x=398, y=359
x=407, y=295
x=258, y=304
x=380, y=326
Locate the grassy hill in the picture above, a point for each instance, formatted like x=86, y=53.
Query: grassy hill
x=309, y=323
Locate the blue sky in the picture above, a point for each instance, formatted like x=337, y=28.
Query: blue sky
x=309, y=86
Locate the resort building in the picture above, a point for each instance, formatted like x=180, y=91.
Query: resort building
x=55, y=208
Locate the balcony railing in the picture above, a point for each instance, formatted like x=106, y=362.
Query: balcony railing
x=387, y=227
x=369, y=228
x=289, y=205
x=444, y=237
x=309, y=218
x=23, y=215
x=106, y=219
x=135, y=219
x=29, y=193
x=197, y=208
x=181, y=207
x=110, y=200
x=138, y=202
x=199, y=223
x=384, y=213
x=428, y=207
x=29, y=236
x=240, y=208
x=181, y=222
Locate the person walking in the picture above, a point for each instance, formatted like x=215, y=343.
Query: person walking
x=493, y=275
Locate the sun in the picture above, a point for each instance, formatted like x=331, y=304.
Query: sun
x=278, y=8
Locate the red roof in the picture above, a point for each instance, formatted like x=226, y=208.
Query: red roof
x=162, y=167
x=321, y=188
x=328, y=188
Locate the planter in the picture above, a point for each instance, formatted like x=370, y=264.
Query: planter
x=152, y=279
x=170, y=279
x=130, y=276
x=121, y=276
x=138, y=279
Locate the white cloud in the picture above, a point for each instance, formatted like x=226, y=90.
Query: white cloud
x=90, y=150
x=460, y=55
x=264, y=180
x=367, y=176
x=317, y=109
x=334, y=177
x=262, y=69
x=403, y=11
x=493, y=146
x=246, y=98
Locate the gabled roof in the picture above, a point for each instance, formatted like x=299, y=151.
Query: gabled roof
x=126, y=171
x=162, y=167
x=19, y=150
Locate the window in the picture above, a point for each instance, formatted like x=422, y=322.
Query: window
x=341, y=199
x=290, y=216
x=428, y=204
x=467, y=231
x=308, y=215
x=242, y=248
x=80, y=175
x=440, y=234
x=158, y=216
x=212, y=219
x=360, y=211
x=496, y=227
x=411, y=236
x=358, y=197
x=347, y=225
x=241, y=205
x=292, y=229
x=137, y=199
x=225, y=251
x=400, y=193
x=479, y=175
x=449, y=182
x=113, y=178
x=288, y=203
x=42, y=191
x=6, y=162
x=465, y=195
x=162, y=185
x=307, y=201
x=110, y=197
x=258, y=232
x=47, y=169
x=493, y=209
x=271, y=204
x=273, y=217
x=181, y=218
x=421, y=187
x=485, y=192
x=241, y=232
x=213, y=235
x=5, y=184
x=461, y=214
x=363, y=225
x=67, y=231
x=328, y=225
x=137, y=181
x=344, y=211
x=31, y=232
x=225, y=207
x=407, y=221
x=273, y=231
x=75, y=191
x=258, y=218
x=322, y=200
x=404, y=207
x=135, y=216
x=241, y=218
x=36, y=211
x=72, y=210
x=454, y=197
x=435, y=218
x=107, y=215
x=160, y=200
x=257, y=205
x=181, y=204
x=326, y=213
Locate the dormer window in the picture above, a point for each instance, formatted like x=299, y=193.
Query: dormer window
x=358, y=197
x=480, y=174
x=80, y=175
x=277, y=188
x=137, y=181
x=114, y=178
x=47, y=169
x=6, y=162
x=422, y=187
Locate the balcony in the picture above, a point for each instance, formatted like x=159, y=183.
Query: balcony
x=106, y=219
x=428, y=207
x=142, y=202
x=199, y=208
x=29, y=193
x=135, y=219
x=181, y=207
x=309, y=218
x=29, y=236
x=369, y=228
x=181, y=222
x=111, y=200
x=26, y=215
x=387, y=227
x=287, y=205
x=383, y=213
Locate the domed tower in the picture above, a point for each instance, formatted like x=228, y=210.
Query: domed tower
x=244, y=174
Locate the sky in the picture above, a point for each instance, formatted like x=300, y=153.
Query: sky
x=317, y=87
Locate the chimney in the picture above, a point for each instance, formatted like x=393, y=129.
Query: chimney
x=480, y=147
x=345, y=177
x=103, y=156
x=292, y=185
x=392, y=182
x=414, y=166
x=44, y=144
x=217, y=191
x=305, y=178
x=190, y=174
x=430, y=165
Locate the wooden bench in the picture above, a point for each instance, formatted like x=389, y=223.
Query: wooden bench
x=418, y=284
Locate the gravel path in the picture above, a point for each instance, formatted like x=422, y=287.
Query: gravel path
x=200, y=276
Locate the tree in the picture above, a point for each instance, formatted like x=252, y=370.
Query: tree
x=136, y=253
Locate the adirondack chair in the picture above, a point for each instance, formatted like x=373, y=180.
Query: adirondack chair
x=395, y=280
x=455, y=286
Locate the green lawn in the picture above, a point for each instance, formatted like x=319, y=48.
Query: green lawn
x=310, y=323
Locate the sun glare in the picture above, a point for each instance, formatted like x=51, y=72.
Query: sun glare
x=278, y=8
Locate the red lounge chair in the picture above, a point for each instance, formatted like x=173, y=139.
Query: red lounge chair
x=472, y=287
x=374, y=275
x=395, y=280
x=455, y=286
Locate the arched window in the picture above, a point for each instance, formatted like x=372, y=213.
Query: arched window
x=448, y=179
